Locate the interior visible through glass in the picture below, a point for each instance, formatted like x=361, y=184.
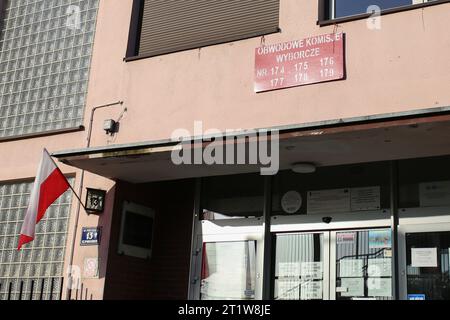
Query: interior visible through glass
x=228, y=271
x=363, y=265
x=427, y=265
x=299, y=267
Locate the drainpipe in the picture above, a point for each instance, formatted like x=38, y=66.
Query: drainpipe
x=80, y=191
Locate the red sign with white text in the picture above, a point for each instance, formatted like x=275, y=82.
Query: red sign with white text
x=299, y=62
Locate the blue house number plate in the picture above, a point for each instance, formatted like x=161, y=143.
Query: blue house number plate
x=90, y=236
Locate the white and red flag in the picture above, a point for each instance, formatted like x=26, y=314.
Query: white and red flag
x=49, y=185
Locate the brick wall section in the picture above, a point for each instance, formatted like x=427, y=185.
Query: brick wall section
x=166, y=274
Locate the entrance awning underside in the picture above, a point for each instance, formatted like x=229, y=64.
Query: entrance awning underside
x=326, y=145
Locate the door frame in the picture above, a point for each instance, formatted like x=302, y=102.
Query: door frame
x=413, y=228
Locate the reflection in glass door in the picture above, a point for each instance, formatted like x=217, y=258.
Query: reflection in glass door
x=363, y=265
x=341, y=265
x=300, y=266
x=427, y=265
x=228, y=271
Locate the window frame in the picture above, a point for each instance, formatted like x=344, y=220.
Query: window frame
x=132, y=51
x=325, y=7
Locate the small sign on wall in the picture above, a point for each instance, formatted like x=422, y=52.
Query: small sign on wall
x=299, y=62
x=367, y=198
x=344, y=200
x=434, y=194
x=325, y=201
x=90, y=236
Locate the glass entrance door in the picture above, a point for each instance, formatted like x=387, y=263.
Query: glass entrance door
x=301, y=265
x=342, y=265
x=228, y=266
x=362, y=268
x=228, y=271
x=425, y=262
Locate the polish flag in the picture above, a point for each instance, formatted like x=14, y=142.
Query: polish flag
x=49, y=185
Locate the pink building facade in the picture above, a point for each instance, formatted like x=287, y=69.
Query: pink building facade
x=370, y=220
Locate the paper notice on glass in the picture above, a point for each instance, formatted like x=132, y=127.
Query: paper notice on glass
x=352, y=287
x=328, y=201
x=380, y=267
x=311, y=290
x=351, y=268
x=424, y=257
x=311, y=271
x=388, y=253
x=288, y=289
x=379, y=287
x=288, y=269
x=367, y=198
x=434, y=194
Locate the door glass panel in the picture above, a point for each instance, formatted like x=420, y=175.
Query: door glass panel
x=427, y=265
x=363, y=265
x=299, y=267
x=228, y=271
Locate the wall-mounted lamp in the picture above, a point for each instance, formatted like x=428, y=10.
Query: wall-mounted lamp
x=110, y=126
x=95, y=200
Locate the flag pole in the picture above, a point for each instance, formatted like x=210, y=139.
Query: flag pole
x=76, y=195
x=70, y=186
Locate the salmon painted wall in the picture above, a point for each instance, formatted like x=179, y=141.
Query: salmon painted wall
x=403, y=66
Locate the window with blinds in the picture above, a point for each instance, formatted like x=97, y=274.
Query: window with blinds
x=175, y=25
